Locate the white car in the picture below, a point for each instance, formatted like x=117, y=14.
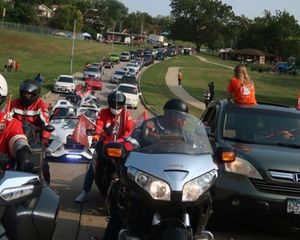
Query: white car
x=92, y=72
x=125, y=56
x=64, y=84
x=132, y=94
x=117, y=76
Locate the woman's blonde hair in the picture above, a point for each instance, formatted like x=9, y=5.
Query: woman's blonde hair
x=240, y=72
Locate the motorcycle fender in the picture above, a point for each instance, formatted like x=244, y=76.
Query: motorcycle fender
x=45, y=213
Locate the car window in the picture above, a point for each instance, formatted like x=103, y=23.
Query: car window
x=127, y=89
x=261, y=126
x=119, y=73
x=65, y=79
x=92, y=69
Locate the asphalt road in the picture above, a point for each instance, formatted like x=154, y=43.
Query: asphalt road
x=83, y=221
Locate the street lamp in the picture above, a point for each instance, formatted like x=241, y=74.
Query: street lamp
x=73, y=45
x=3, y=15
x=113, y=38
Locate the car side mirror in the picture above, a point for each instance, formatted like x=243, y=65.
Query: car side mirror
x=225, y=153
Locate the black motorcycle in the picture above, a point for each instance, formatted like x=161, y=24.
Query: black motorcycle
x=28, y=206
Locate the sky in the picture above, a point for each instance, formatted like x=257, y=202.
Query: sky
x=249, y=8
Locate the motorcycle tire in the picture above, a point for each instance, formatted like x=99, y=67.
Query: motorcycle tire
x=104, y=177
x=175, y=233
x=46, y=172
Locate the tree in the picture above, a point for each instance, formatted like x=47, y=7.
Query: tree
x=64, y=18
x=200, y=21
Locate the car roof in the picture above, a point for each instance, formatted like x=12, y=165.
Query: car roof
x=127, y=85
x=262, y=106
x=64, y=75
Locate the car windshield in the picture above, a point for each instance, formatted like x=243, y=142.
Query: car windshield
x=120, y=73
x=261, y=126
x=175, y=132
x=127, y=89
x=64, y=112
x=92, y=69
x=65, y=79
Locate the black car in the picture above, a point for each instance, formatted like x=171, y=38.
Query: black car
x=107, y=63
x=264, y=176
x=160, y=56
x=129, y=79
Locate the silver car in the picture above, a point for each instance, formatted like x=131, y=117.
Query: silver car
x=91, y=72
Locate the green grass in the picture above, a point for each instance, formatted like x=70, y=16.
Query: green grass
x=49, y=56
x=270, y=87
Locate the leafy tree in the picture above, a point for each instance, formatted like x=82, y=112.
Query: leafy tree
x=278, y=34
x=65, y=16
x=200, y=21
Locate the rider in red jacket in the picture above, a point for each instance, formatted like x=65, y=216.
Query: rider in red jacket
x=33, y=110
x=30, y=108
x=113, y=124
x=13, y=142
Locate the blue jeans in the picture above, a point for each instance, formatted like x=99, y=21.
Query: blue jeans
x=89, y=178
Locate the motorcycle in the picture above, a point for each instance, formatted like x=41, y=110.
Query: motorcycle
x=163, y=183
x=28, y=206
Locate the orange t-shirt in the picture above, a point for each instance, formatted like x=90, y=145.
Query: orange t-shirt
x=241, y=93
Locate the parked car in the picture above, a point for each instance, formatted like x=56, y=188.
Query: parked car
x=114, y=58
x=94, y=83
x=132, y=94
x=264, y=176
x=64, y=84
x=91, y=72
x=125, y=56
x=107, y=63
x=160, y=56
x=117, y=76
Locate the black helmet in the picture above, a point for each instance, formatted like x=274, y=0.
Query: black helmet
x=30, y=86
x=176, y=104
x=116, y=101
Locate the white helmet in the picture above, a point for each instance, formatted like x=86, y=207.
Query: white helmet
x=3, y=86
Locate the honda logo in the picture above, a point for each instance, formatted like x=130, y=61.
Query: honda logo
x=297, y=177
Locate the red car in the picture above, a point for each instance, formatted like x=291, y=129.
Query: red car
x=94, y=83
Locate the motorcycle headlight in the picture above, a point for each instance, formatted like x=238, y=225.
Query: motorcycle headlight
x=10, y=194
x=242, y=166
x=158, y=189
x=193, y=189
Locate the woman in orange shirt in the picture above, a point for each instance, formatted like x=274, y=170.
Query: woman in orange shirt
x=241, y=88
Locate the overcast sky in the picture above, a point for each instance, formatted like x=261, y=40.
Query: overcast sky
x=249, y=8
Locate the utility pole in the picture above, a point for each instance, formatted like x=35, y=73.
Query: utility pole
x=113, y=38
x=73, y=45
x=3, y=15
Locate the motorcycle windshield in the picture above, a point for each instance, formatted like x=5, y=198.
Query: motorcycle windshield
x=175, y=132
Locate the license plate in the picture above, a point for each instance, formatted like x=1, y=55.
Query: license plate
x=293, y=206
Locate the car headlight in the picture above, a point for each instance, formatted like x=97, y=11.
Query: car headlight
x=242, y=166
x=158, y=189
x=193, y=189
x=10, y=194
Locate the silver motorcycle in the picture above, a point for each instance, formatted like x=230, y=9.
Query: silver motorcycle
x=164, y=179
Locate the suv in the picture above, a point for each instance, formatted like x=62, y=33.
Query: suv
x=125, y=56
x=262, y=171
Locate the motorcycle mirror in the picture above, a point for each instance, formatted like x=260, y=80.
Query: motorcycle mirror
x=225, y=153
x=49, y=128
x=90, y=132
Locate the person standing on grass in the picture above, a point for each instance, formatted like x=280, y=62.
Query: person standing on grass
x=180, y=76
x=241, y=88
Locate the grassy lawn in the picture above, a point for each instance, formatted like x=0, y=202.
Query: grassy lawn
x=270, y=87
x=49, y=56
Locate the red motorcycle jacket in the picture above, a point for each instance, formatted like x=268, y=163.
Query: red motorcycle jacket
x=109, y=125
x=11, y=135
x=36, y=113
